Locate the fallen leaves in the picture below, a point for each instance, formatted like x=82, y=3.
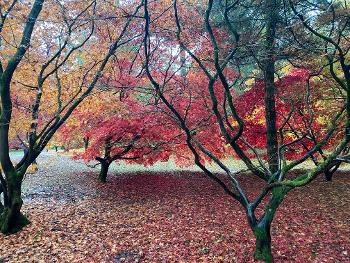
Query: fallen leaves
x=178, y=217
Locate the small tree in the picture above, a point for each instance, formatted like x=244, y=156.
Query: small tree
x=141, y=135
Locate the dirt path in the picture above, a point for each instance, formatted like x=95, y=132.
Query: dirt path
x=60, y=178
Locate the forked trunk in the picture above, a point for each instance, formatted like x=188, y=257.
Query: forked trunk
x=11, y=218
x=104, y=171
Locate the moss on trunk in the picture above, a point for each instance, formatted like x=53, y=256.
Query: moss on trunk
x=11, y=218
x=12, y=221
x=262, y=230
x=263, y=243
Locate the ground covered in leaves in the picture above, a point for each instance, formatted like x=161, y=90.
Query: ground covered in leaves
x=168, y=217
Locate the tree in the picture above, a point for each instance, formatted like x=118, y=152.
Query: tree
x=213, y=54
x=140, y=139
x=137, y=133
x=127, y=122
x=54, y=69
x=325, y=37
x=10, y=213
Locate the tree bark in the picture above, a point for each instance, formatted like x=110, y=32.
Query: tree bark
x=329, y=172
x=262, y=229
x=3, y=189
x=1, y=205
x=263, y=242
x=86, y=143
x=328, y=175
x=11, y=218
x=271, y=14
x=103, y=172
x=105, y=161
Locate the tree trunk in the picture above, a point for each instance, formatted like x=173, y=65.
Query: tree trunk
x=262, y=229
x=11, y=219
x=86, y=143
x=105, y=161
x=263, y=242
x=271, y=14
x=104, y=171
x=3, y=190
x=1, y=206
x=328, y=175
x=330, y=171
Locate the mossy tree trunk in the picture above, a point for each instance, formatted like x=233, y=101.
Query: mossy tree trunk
x=11, y=218
x=263, y=242
x=262, y=228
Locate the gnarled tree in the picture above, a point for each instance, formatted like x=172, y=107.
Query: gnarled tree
x=63, y=73
x=218, y=50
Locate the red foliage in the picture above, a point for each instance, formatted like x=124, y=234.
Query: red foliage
x=302, y=110
x=157, y=139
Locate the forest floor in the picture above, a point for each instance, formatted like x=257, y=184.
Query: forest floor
x=168, y=217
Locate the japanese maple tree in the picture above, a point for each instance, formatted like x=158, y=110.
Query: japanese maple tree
x=138, y=135
x=51, y=57
x=303, y=104
x=218, y=49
